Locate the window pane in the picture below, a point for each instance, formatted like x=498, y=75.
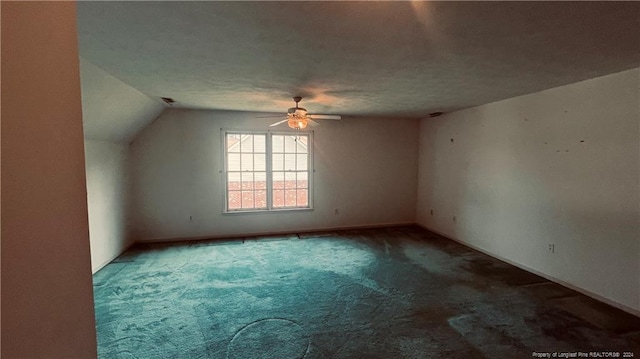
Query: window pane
x=260, y=199
x=247, y=180
x=246, y=143
x=289, y=180
x=260, y=180
x=303, y=180
x=247, y=199
x=289, y=162
x=290, y=198
x=301, y=163
x=278, y=198
x=302, y=198
x=291, y=144
x=303, y=142
x=246, y=162
x=233, y=162
x=260, y=162
x=233, y=181
x=277, y=162
x=277, y=143
x=233, y=142
x=259, y=144
x=234, y=200
x=278, y=180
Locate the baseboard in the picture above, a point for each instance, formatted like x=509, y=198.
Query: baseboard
x=275, y=233
x=561, y=282
x=105, y=262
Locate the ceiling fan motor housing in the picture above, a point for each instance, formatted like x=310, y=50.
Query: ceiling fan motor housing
x=298, y=111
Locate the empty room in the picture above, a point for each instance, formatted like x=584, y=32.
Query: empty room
x=320, y=179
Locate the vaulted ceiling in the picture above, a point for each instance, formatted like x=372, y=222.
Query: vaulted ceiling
x=111, y=110
x=400, y=58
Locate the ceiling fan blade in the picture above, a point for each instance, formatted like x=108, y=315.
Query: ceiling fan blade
x=277, y=123
x=326, y=117
x=269, y=116
x=312, y=122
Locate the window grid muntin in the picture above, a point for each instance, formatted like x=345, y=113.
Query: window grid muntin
x=245, y=196
x=301, y=189
x=291, y=194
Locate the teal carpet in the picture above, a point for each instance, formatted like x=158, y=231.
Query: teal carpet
x=399, y=292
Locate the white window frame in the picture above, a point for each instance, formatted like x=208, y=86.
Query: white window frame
x=269, y=170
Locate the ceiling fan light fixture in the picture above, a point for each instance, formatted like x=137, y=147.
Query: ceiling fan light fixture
x=297, y=122
x=298, y=118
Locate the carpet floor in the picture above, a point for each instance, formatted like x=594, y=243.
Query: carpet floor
x=400, y=292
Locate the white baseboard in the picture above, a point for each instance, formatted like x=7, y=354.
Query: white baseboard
x=581, y=290
x=273, y=233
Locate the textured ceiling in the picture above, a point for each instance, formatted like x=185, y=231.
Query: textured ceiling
x=403, y=59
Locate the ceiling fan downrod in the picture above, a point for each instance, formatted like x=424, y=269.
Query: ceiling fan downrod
x=297, y=99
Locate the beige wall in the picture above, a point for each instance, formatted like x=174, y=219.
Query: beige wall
x=365, y=168
x=47, y=301
x=556, y=167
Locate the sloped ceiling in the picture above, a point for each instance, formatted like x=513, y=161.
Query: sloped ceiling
x=112, y=110
x=399, y=58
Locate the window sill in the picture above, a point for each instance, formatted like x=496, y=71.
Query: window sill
x=259, y=211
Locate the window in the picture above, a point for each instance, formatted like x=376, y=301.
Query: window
x=267, y=171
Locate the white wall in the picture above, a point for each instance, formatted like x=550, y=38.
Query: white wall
x=113, y=113
x=107, y=198
x=366, y=168
x=47, y=296
x=559, y=166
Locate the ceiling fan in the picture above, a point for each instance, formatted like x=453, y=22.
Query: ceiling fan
x=298, y=118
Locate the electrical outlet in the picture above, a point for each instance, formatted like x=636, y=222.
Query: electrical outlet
x=335, y=211
x=552, y=248
x=190, y=218
x=455, y=219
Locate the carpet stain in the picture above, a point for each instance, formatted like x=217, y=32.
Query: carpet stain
x=269, y=338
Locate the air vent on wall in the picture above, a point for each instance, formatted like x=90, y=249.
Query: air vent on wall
x=168, y=100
